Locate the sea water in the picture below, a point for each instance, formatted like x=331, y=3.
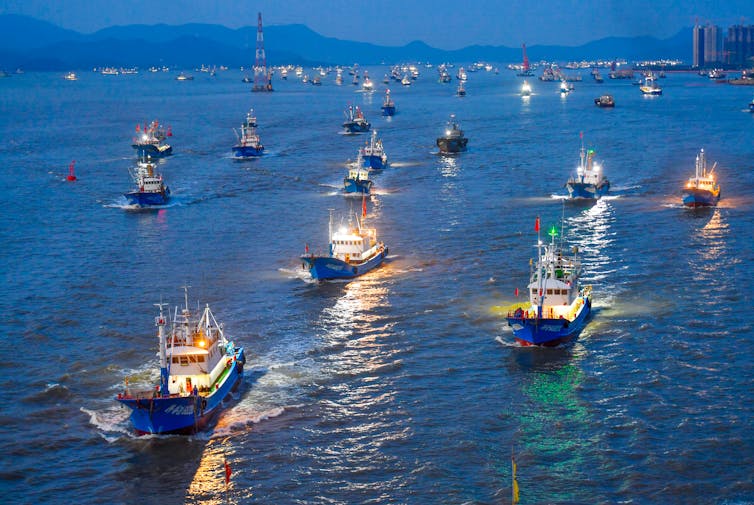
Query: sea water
x=403, y=386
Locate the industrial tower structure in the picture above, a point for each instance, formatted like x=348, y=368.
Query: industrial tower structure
x=262, y=77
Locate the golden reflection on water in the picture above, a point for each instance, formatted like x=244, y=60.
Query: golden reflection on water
x=208, y=485
x=354, y=324
x=712, y=237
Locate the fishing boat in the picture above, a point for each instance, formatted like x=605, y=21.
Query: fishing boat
x=406, y=81
x=353, y=250
x=525, y=89
x=453, y=140
x=565, y=87
x=367, y=84
x=373, y=154
x=355, y=121
x=650, y=86
x=589, y=182
x=149, y=141
x=150, y=188
x=71, y=76
x=199, y=367
x=558, y=307
x=357, y=181
x=702, y=190
x=388, y=105
x=184, y=77
x=604, y=101
x=249, y=145
x=461, y=90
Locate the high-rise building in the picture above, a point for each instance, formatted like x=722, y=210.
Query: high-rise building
x=713, y=44
x=739, y=46
x=698, y=47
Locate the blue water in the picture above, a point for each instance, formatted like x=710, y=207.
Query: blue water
x=403, y=386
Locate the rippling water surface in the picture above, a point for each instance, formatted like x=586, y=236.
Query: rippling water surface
x=403, y=386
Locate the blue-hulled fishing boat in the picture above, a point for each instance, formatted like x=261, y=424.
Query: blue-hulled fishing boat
x=373, y=154
x=199, y=367
x=249, y=145
x=702, y=190
x=453, y=140
x=388, y=105
x=355, y=121
x=589, y=182
x=559, y=307
x=149, y=141
x=353, y=251
x=150, y=189
x=357, y=180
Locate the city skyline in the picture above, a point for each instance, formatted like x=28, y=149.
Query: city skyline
x=440, y=24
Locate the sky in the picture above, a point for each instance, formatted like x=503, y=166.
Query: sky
x=444, y=24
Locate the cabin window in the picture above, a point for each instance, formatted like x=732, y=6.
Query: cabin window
x=534, y=291
x=184, y=361
x=549, y=291
x=175, y=359
x=200, y=359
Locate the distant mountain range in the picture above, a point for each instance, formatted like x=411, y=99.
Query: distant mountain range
x=38, y=45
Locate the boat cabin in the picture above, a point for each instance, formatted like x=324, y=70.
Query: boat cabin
x=354, y=245
x=358, y=174
x=195, y=354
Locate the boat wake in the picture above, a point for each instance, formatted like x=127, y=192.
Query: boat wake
x=241, y=418
x=123, y=204
x=111, y=423
x=404, y=164
x=298, y=273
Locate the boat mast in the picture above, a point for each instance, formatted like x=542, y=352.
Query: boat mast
x=160, y=323
x=539, y=270
x=582, y=155
x=330, y=233
x=700, y=164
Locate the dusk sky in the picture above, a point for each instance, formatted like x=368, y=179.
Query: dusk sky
x=445, y=24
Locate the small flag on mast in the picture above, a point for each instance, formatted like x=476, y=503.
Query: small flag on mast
x=536, y=224
x=364, y=206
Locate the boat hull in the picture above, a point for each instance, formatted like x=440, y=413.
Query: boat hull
x=144, y=199
x=700, y=198
x=549, y=332
x=183, y=414
x=144, y=151
x=247, y=151
x=353, y=127
x=326, y=267
x=452, y=145
x=388, y=110
x=360, y=187
x=585, y=191
x=373, y=162
x=650, y=91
